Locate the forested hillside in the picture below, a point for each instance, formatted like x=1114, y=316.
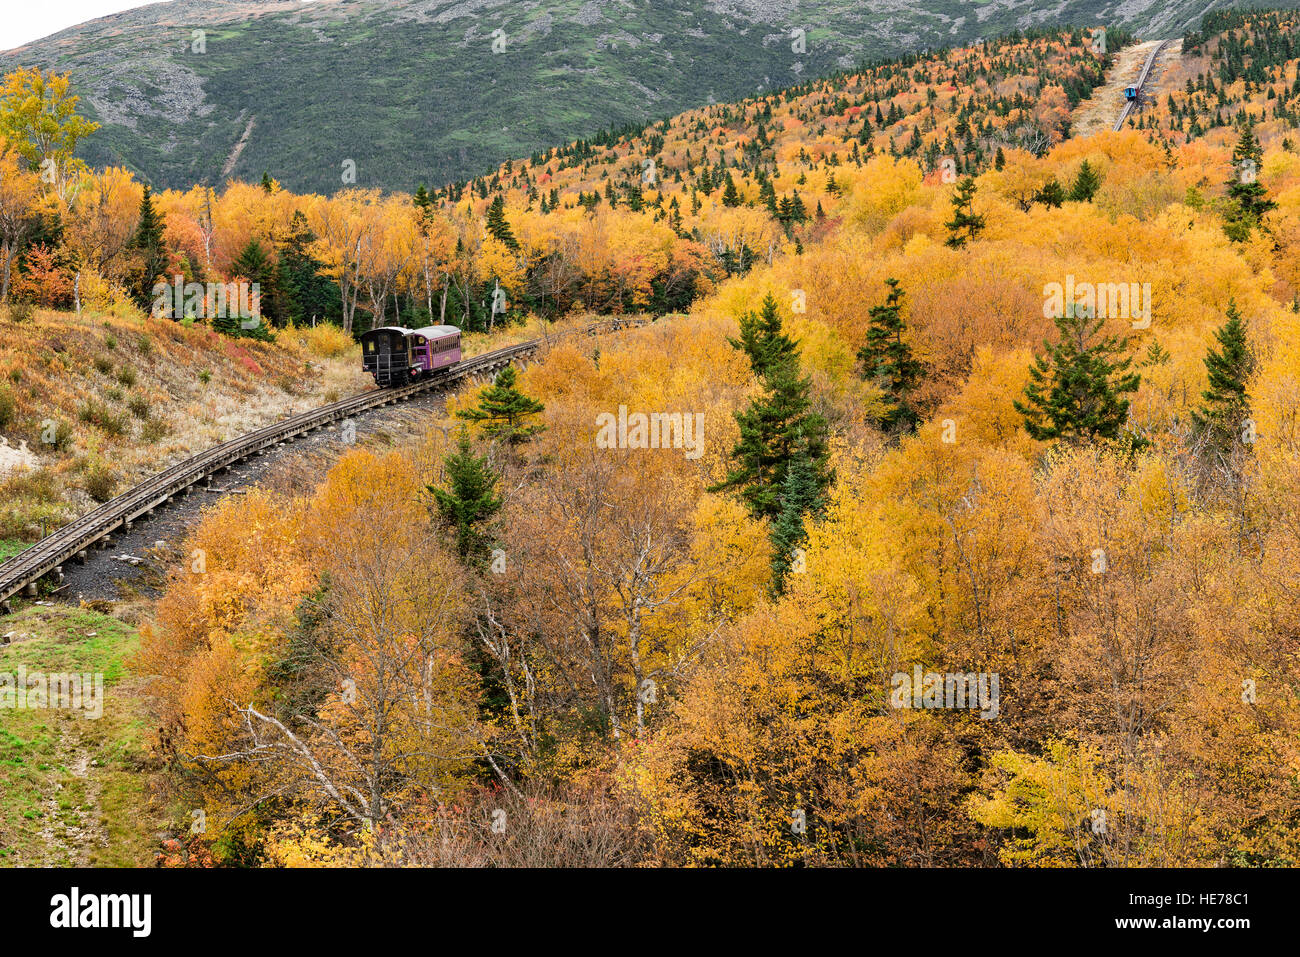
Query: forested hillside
x=198, y=91
x=946, y=515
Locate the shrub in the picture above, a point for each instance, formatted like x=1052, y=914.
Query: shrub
x=205, y=376
x=153, y=430
x=103, y=365
x=100, y=481
x=94, y=412
x=20, y=310
x=126, y=376
x=327, y=341
x=57, y=435
x=139, y=406
x=7, y=407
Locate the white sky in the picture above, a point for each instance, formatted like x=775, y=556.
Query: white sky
x=26, y=20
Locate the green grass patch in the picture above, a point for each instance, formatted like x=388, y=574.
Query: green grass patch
x=72, y=788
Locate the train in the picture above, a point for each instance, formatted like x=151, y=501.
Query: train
x=398, y=356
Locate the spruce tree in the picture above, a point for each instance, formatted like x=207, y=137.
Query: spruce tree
x=255, y=266
x=1249, y=200
x=1086, y=184
x=887, y=359
x=1224, y=405
x=503, y=409
x=1076, y=391
x=775, y=426
x=762, y=338
x=730, y=195
x=964, y=225
x=498, y=226
x=305, y=291
x=469, y=500
x=148, y=242
x=802, y=496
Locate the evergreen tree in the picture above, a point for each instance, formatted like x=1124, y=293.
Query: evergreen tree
x=887, y=359
x=730, y=195
x=1052, y=195
x=777, y=425
x=255, y=266
x=1249, y=200
x=762, y=338
x=964, y=225
x=304, y=289
x=469, y=500
x=503, y=409
x=1225, y=406
x=148, y=242
x=802, y=496
x=1076, y=391
x=497, y=224
x=268, y=184
x=1086, y=184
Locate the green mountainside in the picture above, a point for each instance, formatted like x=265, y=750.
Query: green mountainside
x=409, y=91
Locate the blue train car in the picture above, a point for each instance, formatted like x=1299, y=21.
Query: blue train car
x=1130, y=92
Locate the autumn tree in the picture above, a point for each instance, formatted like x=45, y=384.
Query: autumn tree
x=38, y=114
x=19, y=194
x=1076, y=390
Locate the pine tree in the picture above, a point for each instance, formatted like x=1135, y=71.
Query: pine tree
x=730, y=195
x=1075, y=392
x=802, y=496
x=255, y=266
x=498, y=226
x=268, y=184
x=470, y=499
x=964, y=225
x=762, y=338
x=777, y=425
x=148, y=242
x=1248, y=197
x=503, y=409
x=1052, y=195
x=887, y=359
x=1225, y=406
x=306, y=292
x=1086, y=184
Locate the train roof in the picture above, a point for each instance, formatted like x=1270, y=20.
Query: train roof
x=429, y=332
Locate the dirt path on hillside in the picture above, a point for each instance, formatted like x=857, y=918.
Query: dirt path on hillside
x=1100, y=112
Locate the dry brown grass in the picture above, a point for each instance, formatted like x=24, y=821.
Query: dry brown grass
x=141, y=394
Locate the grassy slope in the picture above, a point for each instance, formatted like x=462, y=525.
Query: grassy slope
x=130, y=397
x=72, y=789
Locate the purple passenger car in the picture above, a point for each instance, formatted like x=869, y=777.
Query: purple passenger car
x=397, y=356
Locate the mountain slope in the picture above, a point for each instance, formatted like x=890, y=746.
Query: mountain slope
x=412, y=90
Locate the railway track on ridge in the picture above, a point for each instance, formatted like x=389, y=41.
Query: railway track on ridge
x=47, y=557
x=1141, y=82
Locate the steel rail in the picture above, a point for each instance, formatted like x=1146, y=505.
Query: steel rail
x=48, y=556
x=1142, y=79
